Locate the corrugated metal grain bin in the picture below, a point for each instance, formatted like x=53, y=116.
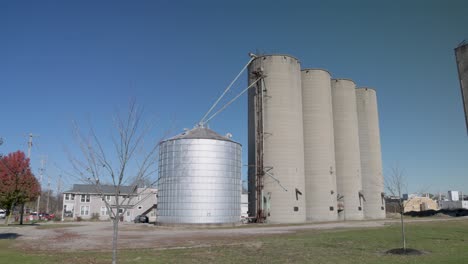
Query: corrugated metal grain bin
x=200, y=179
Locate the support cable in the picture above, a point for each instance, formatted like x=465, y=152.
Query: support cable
x=277, y=181
x=230, y=102
x=202, y=121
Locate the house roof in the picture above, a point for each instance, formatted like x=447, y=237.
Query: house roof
x=105, y=189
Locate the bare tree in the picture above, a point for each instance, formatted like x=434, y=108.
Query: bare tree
x=396, y=184
x=126, y=160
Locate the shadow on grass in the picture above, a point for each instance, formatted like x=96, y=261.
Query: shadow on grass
x=401, y=251
x=23, y=225
x=9, y=236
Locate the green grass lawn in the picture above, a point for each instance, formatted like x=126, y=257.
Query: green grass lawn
x=443, y=242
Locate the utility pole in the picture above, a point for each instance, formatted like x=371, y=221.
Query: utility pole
x=30, y=144
x=48, y=193
x=41, y=172
x=1, y=143
x=59, y=201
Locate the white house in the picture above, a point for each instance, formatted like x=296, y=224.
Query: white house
x=86, y=202
x=453, y=196
x=244, y=205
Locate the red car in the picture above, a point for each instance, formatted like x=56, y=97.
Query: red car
x=46, y=216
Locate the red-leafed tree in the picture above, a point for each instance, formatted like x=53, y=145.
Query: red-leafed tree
x=18, y=184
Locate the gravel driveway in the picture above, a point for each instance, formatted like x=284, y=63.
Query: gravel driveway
x=98, y=235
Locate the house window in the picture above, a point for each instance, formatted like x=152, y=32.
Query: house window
x=69, y=196
x=121, y=211
x=84, y=210
x=104, y=211
x=85, y=198
x=107, y=197
x=128, y=213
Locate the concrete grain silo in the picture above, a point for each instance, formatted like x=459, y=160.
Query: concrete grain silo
x=461, y=56
x=319, y=147
x=371, y=155
x=199, y=179
x=347, y=156
x=282, y=196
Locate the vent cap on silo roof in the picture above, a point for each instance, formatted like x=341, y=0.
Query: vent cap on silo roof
x=201, y=133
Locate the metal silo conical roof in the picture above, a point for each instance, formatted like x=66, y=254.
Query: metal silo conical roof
x=201, y=133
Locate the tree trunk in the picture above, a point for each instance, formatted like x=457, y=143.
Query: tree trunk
x=9, y=214
x=403, y=235
x=22, y=214
x=114, y=237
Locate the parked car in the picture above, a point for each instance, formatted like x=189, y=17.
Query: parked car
x=46, y=216
x=2, y=214
x=32, y=216
x=141, y=219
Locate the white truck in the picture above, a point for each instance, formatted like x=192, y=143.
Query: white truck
x=2, y=214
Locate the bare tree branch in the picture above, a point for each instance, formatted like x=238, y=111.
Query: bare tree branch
x=132, y=163
x=396, y=184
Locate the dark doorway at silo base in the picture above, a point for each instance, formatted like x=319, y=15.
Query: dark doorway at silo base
x=402, y=251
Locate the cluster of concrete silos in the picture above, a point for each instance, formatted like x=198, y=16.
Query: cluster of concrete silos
x=320, y=145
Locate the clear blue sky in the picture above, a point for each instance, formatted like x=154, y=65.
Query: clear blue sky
x=62, y=61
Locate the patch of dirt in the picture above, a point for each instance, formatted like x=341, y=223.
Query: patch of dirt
x=63, y=235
